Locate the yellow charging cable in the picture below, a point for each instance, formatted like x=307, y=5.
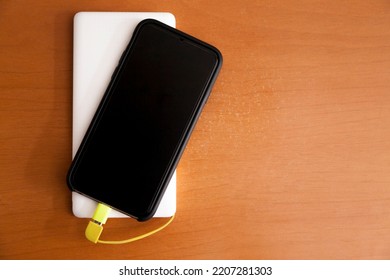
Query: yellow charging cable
x=99, y=218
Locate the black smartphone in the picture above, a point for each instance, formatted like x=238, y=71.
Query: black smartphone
x=138, y=133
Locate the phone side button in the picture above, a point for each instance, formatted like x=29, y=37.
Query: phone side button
x=123, y=54
x=114, y=73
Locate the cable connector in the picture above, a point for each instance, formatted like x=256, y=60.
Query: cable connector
x=95, y=227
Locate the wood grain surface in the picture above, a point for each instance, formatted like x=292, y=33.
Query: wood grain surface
x=289, y=160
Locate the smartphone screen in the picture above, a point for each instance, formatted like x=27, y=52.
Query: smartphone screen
x=145, y=118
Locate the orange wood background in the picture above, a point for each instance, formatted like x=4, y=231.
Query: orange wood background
x=290, y=158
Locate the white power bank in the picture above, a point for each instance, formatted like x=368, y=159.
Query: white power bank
x=98, y=41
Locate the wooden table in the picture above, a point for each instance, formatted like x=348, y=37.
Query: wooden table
x=290, y=158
